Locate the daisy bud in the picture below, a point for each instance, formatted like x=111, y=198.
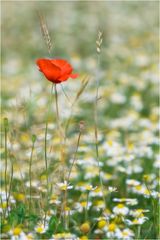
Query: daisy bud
x=85, y=227
x=81, y=125
x=34, y=138
x=6, y=123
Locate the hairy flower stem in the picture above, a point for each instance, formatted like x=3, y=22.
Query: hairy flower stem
x=45, y=155
x=46, y=165
x=61, y=152
x=45, y=146
x=30, y=175
x=61, y=135
x=45, y=152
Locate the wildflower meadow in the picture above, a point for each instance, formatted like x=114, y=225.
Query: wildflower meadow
x=79, y=120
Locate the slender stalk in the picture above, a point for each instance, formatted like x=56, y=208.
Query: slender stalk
x=30, y=170
x=45, y=156
x=99, y=41
x=70, y=170
x=69, y=119
x=94, y=224
x=83, y=86
x=96, y=145
x=61, y=135
x=47, y=40
x=10, y=183
x=149, y=230
x=57, y=113
x=46, y=166
x=23, y=184
x=154, y=208
x=138, y=232
x=56, y=98
x=63, y=208
x=67, y=181
x=45, y=145
x=6, y=159
x=86, y=210
x=65, y=94
x=74, y=158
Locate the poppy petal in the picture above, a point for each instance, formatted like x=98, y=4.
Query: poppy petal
x=63, y=77
x=65, y=67
x=51, y=71
x=56, y=70
x=74, y=75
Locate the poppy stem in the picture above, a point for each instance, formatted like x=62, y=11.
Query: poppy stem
x=57, y=113
x=63, y=208
x=61, y=135
x=46, y=162
x=30, y=171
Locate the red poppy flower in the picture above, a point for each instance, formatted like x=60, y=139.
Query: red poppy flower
x=56, y=70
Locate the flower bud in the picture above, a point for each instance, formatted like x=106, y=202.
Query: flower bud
x=85, y=227
x=81, y=125
x=6, y=123
x=34, y=138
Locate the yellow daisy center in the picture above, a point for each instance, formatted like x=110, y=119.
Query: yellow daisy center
x=112, y=227
x=101, y=223
x=17, y=231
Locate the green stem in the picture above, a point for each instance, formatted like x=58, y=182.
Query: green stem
x=69, y=120
x=96, y=136
x=10, y=183
x=30, y=174
x=74, y=158
x=61, y=136
x=138, y=232
x=86, y=210
x=6, y=166
x=154, y=208
x=57, y=109
x=67, y=181
x=46, y=166
x=45, y=144
x=45, y=155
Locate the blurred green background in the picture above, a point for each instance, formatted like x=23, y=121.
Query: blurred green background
x=128, y=61
x=73, y=27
